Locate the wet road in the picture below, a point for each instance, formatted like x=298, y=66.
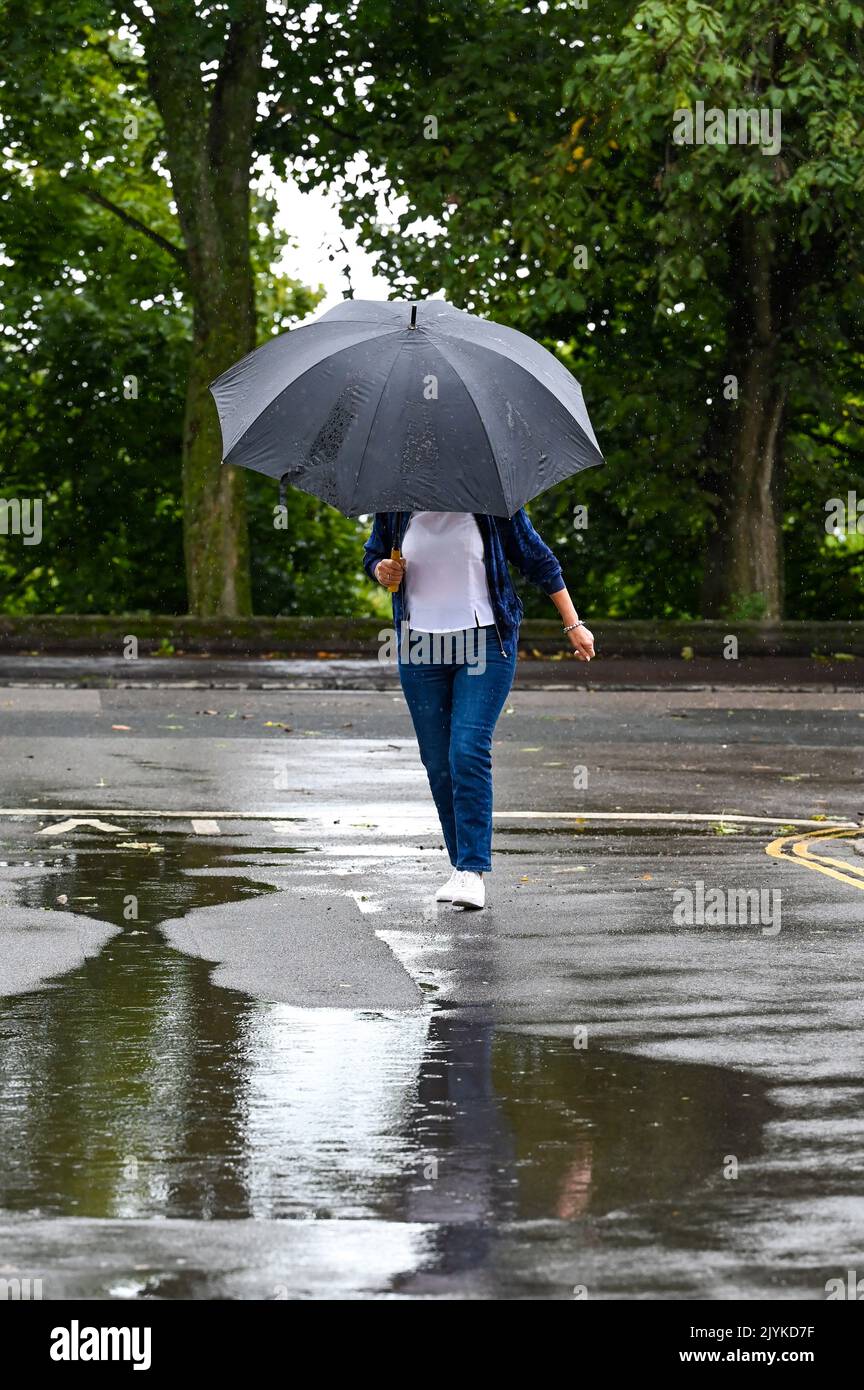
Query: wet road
x=244, y=1054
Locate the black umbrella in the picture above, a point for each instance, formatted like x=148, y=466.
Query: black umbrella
x=406, y=407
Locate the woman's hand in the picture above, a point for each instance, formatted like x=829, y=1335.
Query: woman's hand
x=582, y=642
x=389, y=572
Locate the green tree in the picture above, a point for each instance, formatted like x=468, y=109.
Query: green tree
x=774, y=225
x=93, y=364
x=709, y=296
x=157, y=115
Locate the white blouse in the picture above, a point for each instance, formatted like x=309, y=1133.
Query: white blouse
x=445, y=577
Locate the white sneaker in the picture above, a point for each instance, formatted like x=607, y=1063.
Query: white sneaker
x=445, y=892
x=469, y=890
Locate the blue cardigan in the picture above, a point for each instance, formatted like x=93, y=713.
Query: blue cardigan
x=513, y=540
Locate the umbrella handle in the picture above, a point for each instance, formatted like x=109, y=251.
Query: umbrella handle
x=394, y=555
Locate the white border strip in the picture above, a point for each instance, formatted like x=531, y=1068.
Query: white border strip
x=711, y=817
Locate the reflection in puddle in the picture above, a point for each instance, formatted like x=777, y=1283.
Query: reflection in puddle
x=134, y=1087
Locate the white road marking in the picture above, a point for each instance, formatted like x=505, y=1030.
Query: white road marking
x=206, y=827
x=42, y=812
x=708, y=817
x=65, y=826
x=364, y=902
x=712, y=816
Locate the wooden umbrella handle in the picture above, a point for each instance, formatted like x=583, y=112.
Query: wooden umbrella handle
x=394, y=555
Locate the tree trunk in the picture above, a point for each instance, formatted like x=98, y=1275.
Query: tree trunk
x=208, y=137
x=215, y=533
x=744, y=565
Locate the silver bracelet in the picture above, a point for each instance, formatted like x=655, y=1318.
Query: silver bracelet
x=574, y=625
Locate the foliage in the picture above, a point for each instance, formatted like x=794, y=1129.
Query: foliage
x=94, y=359
x=553, y=134
x=520, y=158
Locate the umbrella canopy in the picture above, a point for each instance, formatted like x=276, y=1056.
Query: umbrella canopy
x=381, y=406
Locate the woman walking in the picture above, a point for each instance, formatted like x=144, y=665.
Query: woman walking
x=453, y=578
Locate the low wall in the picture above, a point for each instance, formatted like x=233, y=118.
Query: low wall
x=284, y=637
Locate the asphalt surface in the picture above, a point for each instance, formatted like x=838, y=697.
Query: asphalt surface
x=247, y=1055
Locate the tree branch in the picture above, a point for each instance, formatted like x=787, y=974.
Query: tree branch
x=274, y=126
x=176, y=252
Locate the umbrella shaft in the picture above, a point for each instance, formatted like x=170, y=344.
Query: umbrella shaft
x=395, y=554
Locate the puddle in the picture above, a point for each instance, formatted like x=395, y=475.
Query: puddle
x=143, y=1091
x=135, y=1087
x=167, y=876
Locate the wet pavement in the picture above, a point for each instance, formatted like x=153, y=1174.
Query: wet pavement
x=244, y=1054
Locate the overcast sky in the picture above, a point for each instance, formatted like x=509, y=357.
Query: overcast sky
x=313, y=222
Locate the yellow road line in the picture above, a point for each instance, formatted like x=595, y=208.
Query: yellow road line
x=804, y=853
x=820, y=863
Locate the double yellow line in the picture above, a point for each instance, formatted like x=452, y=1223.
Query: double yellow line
x=821, y=863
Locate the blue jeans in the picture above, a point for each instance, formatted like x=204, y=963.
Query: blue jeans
x=454, y=707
